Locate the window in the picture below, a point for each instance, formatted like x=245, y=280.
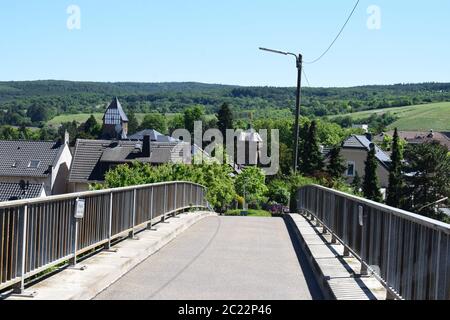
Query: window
x=350, y=168
x=34, y=164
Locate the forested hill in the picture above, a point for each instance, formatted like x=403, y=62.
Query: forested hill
x=30, y=102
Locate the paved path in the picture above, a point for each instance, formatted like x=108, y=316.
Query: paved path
x=222, y=258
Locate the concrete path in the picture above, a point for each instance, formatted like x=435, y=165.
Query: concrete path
x=222, y=258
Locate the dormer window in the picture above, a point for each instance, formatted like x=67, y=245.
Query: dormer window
x=34, y=164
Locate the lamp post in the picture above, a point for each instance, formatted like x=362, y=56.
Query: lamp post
x=299, y=63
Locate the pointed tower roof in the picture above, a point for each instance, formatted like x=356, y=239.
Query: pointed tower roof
x=114, y=111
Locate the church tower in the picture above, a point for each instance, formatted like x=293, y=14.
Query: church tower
x=115, y=121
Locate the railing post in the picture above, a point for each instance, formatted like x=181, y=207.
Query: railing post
x=175, y=200
x=73, y=261
x=108, y=245
x=165, y=203
x=133, y=217
x=345, y=236
x=363, y=270
x=149, y=225
x=438, y=262
x=19, y=289
x=388, y=262
x=184, y=195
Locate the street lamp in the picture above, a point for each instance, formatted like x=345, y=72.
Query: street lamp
x=299, y=62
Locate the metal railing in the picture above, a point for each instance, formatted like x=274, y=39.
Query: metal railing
x=408, y=253
x=36, y=234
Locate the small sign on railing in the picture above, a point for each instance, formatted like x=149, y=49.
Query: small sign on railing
x=361, y=215
x=79, y=208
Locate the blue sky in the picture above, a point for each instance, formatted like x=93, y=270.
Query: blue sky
x=217, y=41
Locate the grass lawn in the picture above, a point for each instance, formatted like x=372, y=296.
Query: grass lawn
x=419, y=117
x=251, y=213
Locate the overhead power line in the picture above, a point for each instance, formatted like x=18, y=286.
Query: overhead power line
x=337, y=37
x=306, y=78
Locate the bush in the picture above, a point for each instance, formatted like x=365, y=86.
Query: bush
x=214, y=176
x=279, y=192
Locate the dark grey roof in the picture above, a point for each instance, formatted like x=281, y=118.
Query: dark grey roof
x=147, y=132
x=154, y=136
x=13, y=191
x=93, y=158
x=361, y=142
x=21, y=152
x=114, y=113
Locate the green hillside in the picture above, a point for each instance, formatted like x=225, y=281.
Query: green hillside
x=434, y=116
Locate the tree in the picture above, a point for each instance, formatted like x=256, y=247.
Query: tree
x=427, y=177
x=191, y=115
x=133, y=124
x=395, y=189
x=9, y=133
x=155, y=121
x=336, y=166
x=225, y=119
x=251, y=184
x=312, y=160
x=46, y=133
x=285, y=159
x=71, y=128
x=303, y=136
x=370, y=187
x=91, y=128
x=40, y=113
x=177, y=122
x=356, y=183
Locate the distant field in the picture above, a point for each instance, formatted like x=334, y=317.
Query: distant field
x=82, y=117
x=424, y=117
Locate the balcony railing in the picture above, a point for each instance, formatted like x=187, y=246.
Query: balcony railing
x=36, y=234
x=408, y=253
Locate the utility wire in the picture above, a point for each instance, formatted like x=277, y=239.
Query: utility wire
x=337, y=37
x=306, y=77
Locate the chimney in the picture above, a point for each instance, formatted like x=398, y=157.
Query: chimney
x=146, y=146
x=66, y=137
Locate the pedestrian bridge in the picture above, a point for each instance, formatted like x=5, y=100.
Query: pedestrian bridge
x=137, y=245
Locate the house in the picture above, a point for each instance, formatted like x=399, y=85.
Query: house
x=115, y=121
x=154, y=136
x=93, y=158
x=354, y=151
x=417, y=137
x=26, y=166
x=251, y=143
x=364, y=127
